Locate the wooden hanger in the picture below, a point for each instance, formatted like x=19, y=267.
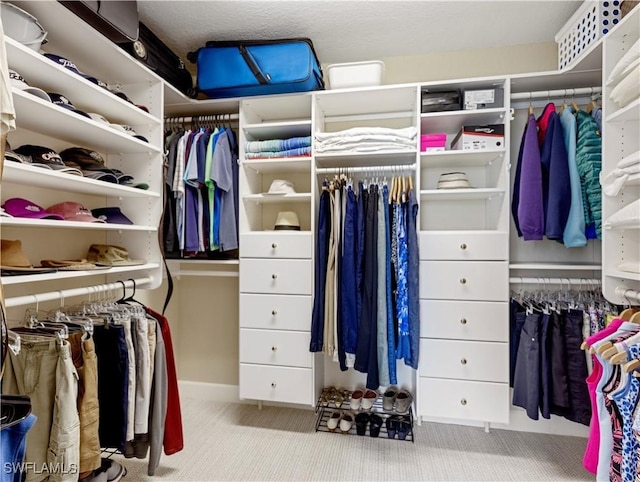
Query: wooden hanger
x=618, y=358
x=635, y=318
x=604, y=347
x=628, y=313
x=632, y=366
x=610, y=352
x=575, y=106
x=410, y=183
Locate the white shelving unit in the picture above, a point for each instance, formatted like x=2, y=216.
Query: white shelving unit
x=45, y=124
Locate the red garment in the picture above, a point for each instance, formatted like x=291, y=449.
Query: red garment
x=543, y=122
x=173, y=437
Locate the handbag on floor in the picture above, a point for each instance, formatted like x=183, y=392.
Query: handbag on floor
x=257, y=67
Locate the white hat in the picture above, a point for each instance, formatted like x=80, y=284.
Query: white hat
x=453, y=180
x=280, y=186
x=18, y=82
x=287, y=221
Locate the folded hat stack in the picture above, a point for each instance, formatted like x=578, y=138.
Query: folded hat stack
x=453, y=180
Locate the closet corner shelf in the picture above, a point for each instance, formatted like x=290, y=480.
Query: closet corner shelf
x=279, y=165
x=272, y=199
x=58, y=275
x=54, y=223
x=623, y=275
x=204, y=267
x=452, y=121
x=460, y=194
x=278, y=130
x=364, y=159
x=555, y=267
x=35, y=176
x=460, y=158
x=630, y=112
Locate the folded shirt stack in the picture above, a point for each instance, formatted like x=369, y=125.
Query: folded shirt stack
x=366, y=139
x=272, y=148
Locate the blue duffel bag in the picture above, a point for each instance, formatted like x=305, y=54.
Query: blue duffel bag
x=256, y=67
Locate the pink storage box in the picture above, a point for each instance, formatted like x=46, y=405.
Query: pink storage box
x=436, y=141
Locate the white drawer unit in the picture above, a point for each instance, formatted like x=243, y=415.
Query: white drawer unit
x=276, y=244
x=464, y=245
x=464, y=320
x=276, y=384
x=271, y=276
x=273, y=347
x=481, y=401
x=465, y=360
x=464, y=280
x=280, y=312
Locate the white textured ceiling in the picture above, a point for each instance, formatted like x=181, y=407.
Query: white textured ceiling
x=350, y=31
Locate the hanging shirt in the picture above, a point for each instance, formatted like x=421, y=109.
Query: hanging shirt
x=222, y=170
x=192, y=198
x=589, y=161
x=542, y=123
x=178, y=189
x=211, y=185
x=530, y=208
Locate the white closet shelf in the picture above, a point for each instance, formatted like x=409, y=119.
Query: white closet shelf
x=279, y=165
x=204, y=267
x=85, y=95
x=460, y=158
x=46, y=118
x=623, y=275
x=555, y=266
x=30, y=278
x=300, y=197
x=452, y=121
x=630, y=112
x=364, y=159
x=373, y=102
x=278, y=130
x=54, y=223
x=460, y=194
x=36, y=176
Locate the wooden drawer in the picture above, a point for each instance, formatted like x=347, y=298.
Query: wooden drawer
x=481, y=401
x=276, y=244
x=273, y=347
x=464, y=320
x=465, y=360
x=464, y=280
x=464, y=245
x=276, y=384
x=279, y=312
x=278, y=276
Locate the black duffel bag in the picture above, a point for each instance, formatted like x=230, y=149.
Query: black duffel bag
x=115, y=19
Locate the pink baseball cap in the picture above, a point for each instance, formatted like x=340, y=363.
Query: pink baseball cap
x=72, y=211
x=23, y=208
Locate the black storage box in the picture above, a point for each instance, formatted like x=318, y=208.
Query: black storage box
x=115, y=19
x=440, y=101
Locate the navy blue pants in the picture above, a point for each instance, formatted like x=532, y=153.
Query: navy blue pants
x=580, y=408
x=322, y=254
x=348, y=287
x=545, y=367
x=516, y=320
x=526, y=383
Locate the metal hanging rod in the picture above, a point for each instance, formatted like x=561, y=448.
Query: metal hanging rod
x=337, y=170
x=70, y=293
x=545, y=94
x=202, y=118
x=556, y=281
x=628, y=294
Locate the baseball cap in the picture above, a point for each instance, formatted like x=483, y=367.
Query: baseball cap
x=84, y=159
x=67, y=64
x=73, y=211
x=106, y=254
x=23, y=208
x=18, y=82
x=98, y=118
x=44, y=157
x=62, y=101
x=129, y=130
x=10, y=155
x=111, y=215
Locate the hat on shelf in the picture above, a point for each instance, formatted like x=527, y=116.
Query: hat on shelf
x=126, y=129
x=23, y=208
x=111, y=215
x=67, y=64
x=73, y=211
x=70, y=264
x=62, y=101
x=14, y=261
x=90, y=162
x=453, y=180
x=110, y=255
x=280, y=186
x=18, y=82
x=44, y=157
x=287, y=221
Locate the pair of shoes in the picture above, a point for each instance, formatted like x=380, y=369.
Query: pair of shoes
x=361, y=398
x=397, y=425
x=389, y=398
x=404, y=399
x=373, y=420
x=453, y=180
x=332, y=394
x=109, y=471
x=341, y=419
x=401, y=399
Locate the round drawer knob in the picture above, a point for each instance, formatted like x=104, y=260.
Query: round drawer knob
x=463, y=246
x=463, y=281
x=274, y=245
x=463, y=321
x=274, y=312
x=274, y=348
x=463, y=401
x=273, y=384
x=463, y=361
x=274, y=276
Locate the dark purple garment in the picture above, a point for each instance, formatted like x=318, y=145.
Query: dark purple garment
x=530, y=209
x=556, y=186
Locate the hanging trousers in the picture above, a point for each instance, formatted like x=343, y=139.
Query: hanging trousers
x=322, y=253
x=526, y=384
x=349, y=290
x=580, y=410
x=516, y=320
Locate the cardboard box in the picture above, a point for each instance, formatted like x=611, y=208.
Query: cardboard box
x=479, y=138
x=483, y=99
x=440, y=101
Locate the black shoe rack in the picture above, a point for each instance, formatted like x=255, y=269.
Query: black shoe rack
x=324, y=413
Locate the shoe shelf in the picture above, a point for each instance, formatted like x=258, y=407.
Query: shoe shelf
x=323, y=413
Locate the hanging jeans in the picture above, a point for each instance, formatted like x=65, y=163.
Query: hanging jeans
x=13, y=441
x=382, y=344
x=349, y=290
x=322, y=253
x=413, y=293
x=363, y=196
x=391, y=332
x=526, y=383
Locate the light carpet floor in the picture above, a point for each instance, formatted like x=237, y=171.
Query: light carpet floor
x=225, y=441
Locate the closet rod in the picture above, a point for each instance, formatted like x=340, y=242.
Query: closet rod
x=204, y=117
x=555, y=281
x=628, y=294
x=69, y=293
x=337, y=170
x=544, y=94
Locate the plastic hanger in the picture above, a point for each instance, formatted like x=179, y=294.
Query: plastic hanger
x=14, y=409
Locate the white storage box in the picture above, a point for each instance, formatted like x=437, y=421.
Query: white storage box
x=355, y=74
x=590, y=22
